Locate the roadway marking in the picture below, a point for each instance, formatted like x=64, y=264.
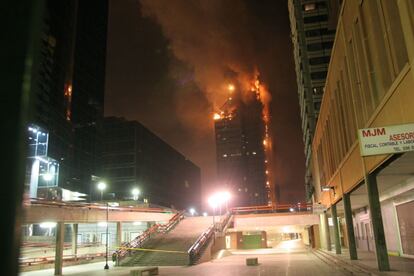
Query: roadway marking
x=155, y=250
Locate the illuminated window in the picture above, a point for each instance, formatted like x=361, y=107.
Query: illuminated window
x=309, y=7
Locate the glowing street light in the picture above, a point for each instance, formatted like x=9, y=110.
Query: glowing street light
x=135, y=193
x=205, y=214
x=216, y=116
x=101, y=187
x=226, y=197
x=231, y=87
x=213, y=202
x=192, y=211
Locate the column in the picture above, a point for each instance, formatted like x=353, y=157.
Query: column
x=22, y=33
x=336, y=229
x=377, y=225
x=60, y=234
x=118, y=234
x=324, y=233
x=350, y=227
x=75, y=239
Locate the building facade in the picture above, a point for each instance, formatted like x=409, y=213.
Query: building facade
x=240, y=151
x=68, y=86
x=313, y=25
x=369, y=85
x=134, y=157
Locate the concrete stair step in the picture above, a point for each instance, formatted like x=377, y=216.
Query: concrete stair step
x=181, y=238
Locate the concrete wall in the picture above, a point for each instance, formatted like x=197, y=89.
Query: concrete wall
x=40, y=213
x=269, y=220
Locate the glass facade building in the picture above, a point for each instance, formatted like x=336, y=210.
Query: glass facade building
x=134, y=157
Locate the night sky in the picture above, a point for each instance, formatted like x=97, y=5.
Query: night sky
x=168, y=63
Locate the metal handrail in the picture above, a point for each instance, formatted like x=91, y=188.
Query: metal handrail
x=164, y=228
x=200, y=243
x=281, y=208
x=204, y=239
x=39, y=202
x=51, y=259
x=225, y=221
x=135, y=243
x=141, y=239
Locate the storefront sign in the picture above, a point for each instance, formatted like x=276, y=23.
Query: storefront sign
x=386, y=140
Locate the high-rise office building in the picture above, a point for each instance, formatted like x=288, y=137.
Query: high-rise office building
x=240, y=154
x=69, y=87
x=134, y=157
x=313, y=26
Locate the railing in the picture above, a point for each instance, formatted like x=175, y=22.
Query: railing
x=46, y=203
x=164, y=228
x=196, y=249
x=224, y=223
x=25, y=262
x=122, y=252
x=280, y=208
x=135, y=243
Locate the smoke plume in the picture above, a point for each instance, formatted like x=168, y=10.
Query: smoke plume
x=215, y=38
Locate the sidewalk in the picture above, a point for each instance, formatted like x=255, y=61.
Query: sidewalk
x=368, y=261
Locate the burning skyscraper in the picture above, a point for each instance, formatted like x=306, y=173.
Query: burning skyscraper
x=241, y=142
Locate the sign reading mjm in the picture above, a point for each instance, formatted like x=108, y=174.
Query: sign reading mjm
x=386, y=140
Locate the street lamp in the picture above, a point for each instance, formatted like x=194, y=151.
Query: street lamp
x=192, y=211
x=101, y=187
x=226, y=197
x=107, y=233
x=213, y=202
x=135, y=193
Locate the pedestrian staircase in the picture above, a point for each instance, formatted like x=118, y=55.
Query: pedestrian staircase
x=170, y=248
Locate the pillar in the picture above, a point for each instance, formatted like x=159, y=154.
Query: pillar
x=118, y=234
x=377, y=225
x=353, y=255
x=21, y=33
x=60, y=234
x=75, y=239
x=336, y=229
x=324, y=233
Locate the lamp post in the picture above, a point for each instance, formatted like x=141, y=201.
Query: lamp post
x=226, y=196
x=107, y=233
x=101, y=187
x=135, y=193
x=213, y=201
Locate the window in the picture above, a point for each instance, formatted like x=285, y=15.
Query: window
x=319, y=60
x=319, y=32
x=315, y=19
x=395, y=34
x=318, y=90
x=318, y=75
x=309, y=7
x=320, y=46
